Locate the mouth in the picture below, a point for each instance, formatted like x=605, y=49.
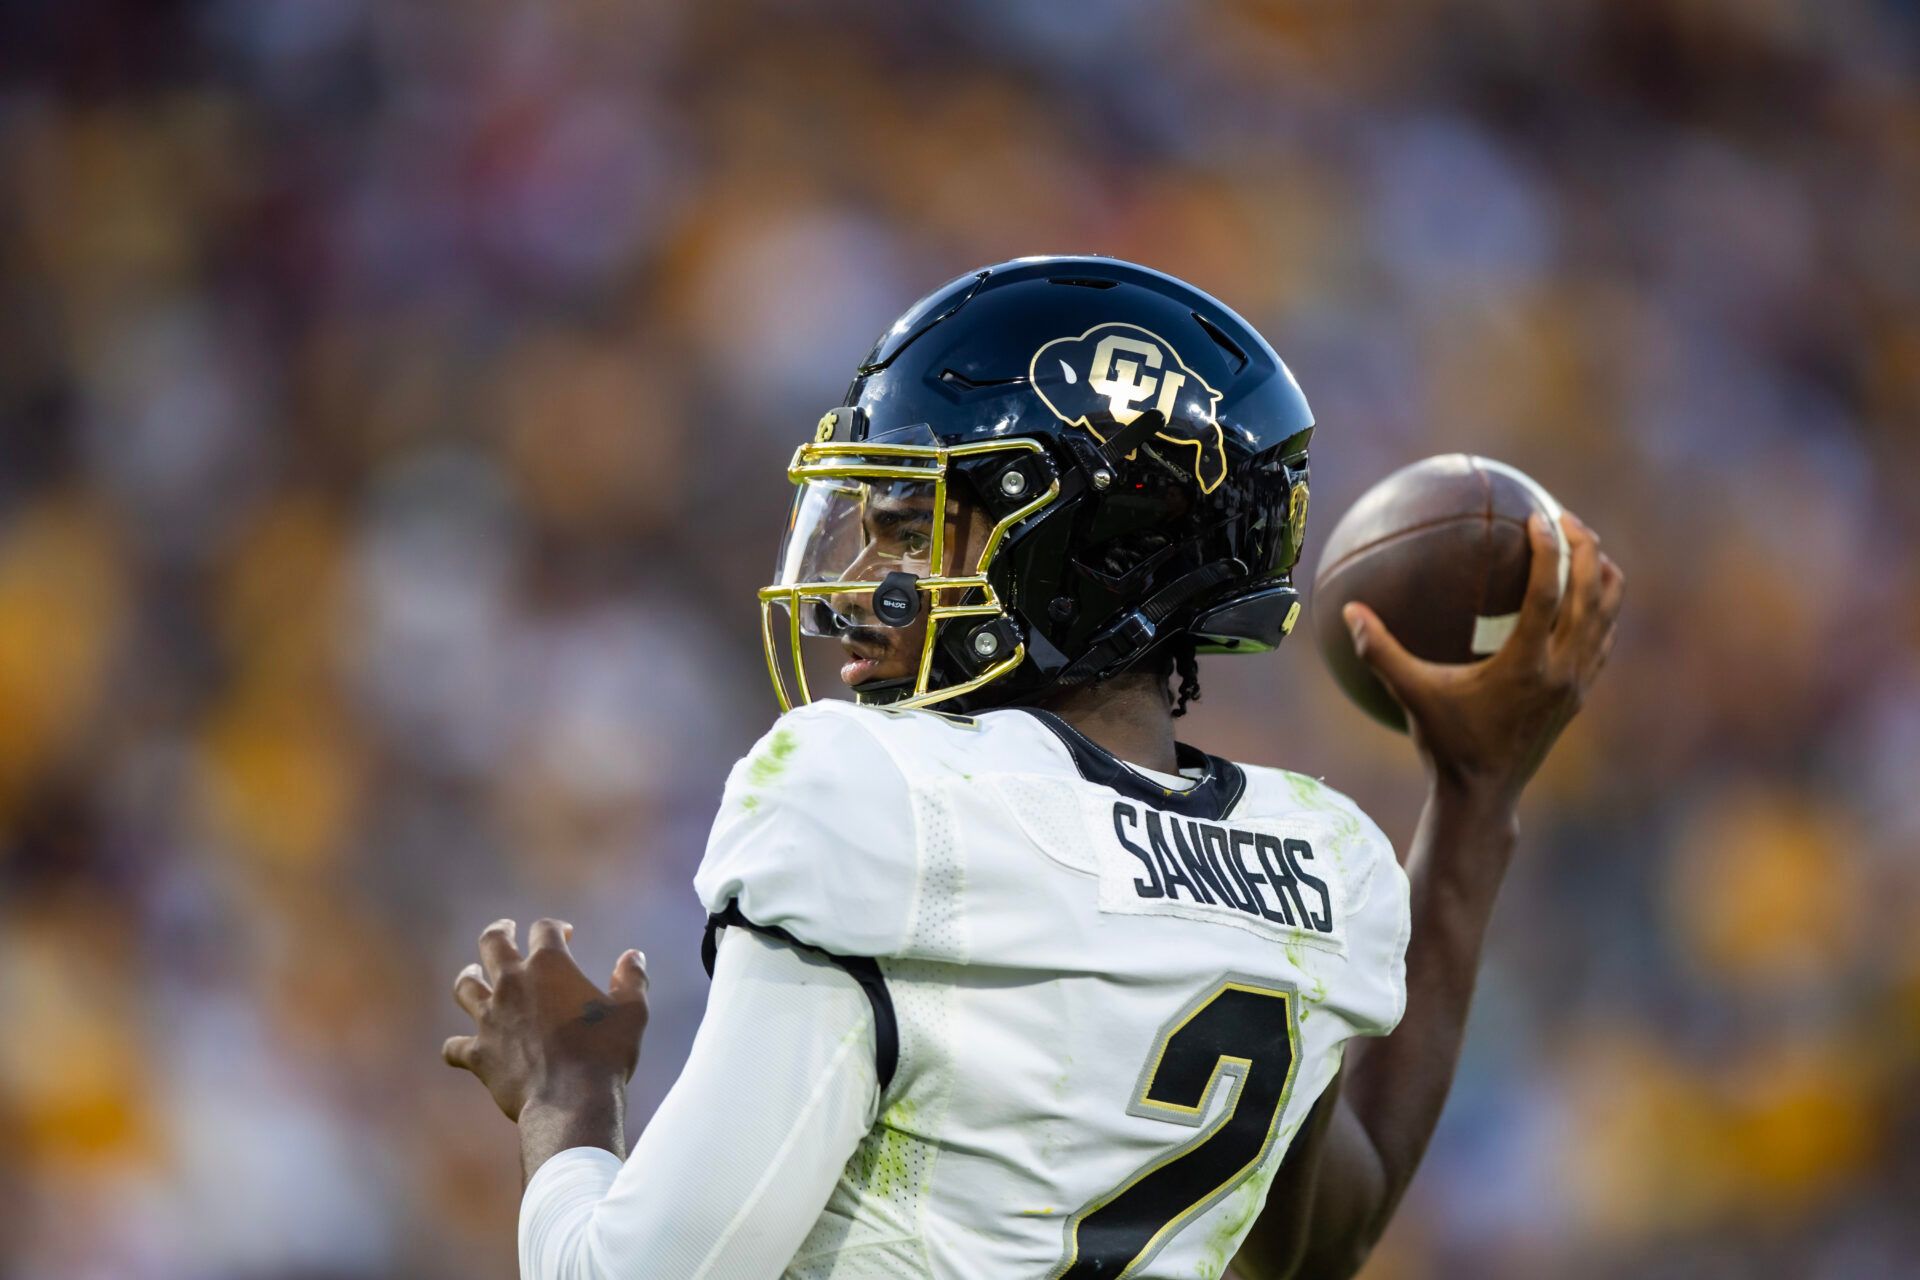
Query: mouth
x=865, y=653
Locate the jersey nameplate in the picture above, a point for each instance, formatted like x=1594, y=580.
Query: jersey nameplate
x=1270, y=881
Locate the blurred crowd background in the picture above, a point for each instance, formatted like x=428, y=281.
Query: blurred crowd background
x=394, y=402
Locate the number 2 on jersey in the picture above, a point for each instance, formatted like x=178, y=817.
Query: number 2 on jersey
x=1241, y=1029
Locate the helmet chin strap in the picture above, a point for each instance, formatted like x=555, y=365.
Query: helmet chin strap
x=880, y=693
x=1132, y=634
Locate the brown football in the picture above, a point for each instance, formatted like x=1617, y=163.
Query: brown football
x=1439, y=550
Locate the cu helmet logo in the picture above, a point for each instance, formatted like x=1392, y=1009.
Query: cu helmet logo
x=1113, y=373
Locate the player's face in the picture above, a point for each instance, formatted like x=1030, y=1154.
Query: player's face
x=897, y=527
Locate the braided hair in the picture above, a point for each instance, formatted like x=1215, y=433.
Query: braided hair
x=1186, y=665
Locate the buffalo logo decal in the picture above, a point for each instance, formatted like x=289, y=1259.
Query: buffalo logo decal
x=1113, y=373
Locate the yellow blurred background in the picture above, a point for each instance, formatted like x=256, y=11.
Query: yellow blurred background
x=394, y=400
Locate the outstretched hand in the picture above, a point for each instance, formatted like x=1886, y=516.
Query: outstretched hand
x=544, y=1031
x=1487, y=725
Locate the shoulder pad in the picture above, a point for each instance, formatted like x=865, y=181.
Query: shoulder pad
x=815, y=835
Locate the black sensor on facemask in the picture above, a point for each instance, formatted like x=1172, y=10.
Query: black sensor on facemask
x=896, y=601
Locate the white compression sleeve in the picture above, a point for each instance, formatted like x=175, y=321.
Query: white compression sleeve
x=739, y=1160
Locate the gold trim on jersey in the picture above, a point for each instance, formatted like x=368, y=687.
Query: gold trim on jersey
x=1146, y=1106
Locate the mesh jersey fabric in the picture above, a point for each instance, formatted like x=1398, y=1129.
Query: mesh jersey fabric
x=1042, y=938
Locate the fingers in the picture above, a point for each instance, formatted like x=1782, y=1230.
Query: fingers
x=1600, y=656
x=471, y=992
x=1613, y=589
x=1583, y=634
x=549, y=934
x=1582, y=604
x=1377, y=647
x=498, y=954
x=1542, y=600
x=629, y=981
x=458, y=1052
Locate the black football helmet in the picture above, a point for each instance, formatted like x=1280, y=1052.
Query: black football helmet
x=1139, y=451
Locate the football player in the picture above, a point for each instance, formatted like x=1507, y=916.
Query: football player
x=1006, y=981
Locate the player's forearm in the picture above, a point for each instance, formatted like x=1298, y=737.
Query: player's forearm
x=1335, y=1195
x=1395, y=1088
x=587, y=1114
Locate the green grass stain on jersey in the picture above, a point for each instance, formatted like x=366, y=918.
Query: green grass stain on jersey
x=880, y=1163
x=1237, y=1214
x=1306, y=790
x=1313, y=995
x=749, y=802
x=1312, y=793
x=772, y=762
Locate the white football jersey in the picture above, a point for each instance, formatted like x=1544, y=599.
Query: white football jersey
x=1105, y=1005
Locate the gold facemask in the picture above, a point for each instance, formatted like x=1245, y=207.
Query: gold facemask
x=867, y=509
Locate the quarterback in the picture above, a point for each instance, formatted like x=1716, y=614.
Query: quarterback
x=1006, y=981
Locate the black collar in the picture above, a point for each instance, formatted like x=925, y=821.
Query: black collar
x=1212, y=797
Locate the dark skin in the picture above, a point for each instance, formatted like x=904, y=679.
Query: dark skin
x=556, y=1051
x=899, y=535
x=1482, y=731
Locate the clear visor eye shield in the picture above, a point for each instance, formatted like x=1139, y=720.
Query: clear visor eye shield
x=881, y=556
